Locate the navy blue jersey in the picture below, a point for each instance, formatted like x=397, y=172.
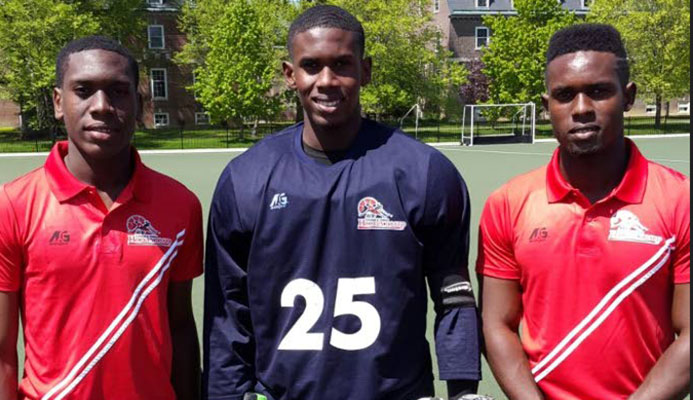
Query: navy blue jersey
x=316, y=274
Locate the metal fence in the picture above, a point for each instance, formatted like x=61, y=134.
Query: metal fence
x=429, y=130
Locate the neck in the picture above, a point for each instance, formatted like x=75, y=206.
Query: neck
x=595, y=175
x=331, y=138
x=109, y=176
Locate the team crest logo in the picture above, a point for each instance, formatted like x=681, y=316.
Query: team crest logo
x=373, y=216
x=141, y=232
x=626, y=227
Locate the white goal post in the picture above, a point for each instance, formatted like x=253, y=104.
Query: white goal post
x=498, y=123
x=417, y=114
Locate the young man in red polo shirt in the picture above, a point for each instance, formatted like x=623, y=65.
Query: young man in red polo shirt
x=98, y=252
x=591, y=252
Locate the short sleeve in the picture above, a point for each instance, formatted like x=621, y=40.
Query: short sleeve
x=11, y=255
x=496, y=257
x=682, y=252
x=189, y=260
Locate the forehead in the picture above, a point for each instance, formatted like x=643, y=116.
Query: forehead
x=582, y=67
x=320, y=42
x=97, y=65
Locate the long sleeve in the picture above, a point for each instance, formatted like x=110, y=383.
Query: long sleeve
x=229, y=347
x=446, y=247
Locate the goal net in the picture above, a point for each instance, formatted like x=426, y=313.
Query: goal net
x=498, y=123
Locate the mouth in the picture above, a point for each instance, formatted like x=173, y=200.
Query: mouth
x=328, y=104
x=100, y=131
x=584, y=131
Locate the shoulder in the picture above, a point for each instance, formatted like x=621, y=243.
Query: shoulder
x=668, y=177
x=164, y=186
x=22, y=188
x=271, y=147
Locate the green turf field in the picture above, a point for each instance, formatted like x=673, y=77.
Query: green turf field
x=483, y=167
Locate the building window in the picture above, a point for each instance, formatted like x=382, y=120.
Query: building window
x=155, y=2
x=155, y=33
x=201, y=118
x=160, y=120
x=650, y=108
x=482, y=3
x=481, y=37
x=586, y=3
x=158, y=84
x=685, y=108
x=436, y=6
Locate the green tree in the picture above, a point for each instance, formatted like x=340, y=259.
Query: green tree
x=409, y=63
x=234, y=48
x=515, y=57
x=33, y=31
x=657, y=37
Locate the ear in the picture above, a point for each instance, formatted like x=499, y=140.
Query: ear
x=288, y=72
x=366, y=69
x=545, y=101
x=58, y=103
x=629, y=95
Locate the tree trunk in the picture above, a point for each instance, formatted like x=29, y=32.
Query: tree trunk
x=658, y=112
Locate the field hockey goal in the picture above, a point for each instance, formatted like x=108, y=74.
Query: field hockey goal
x=498, y=123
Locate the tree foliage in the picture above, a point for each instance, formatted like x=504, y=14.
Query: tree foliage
x=409, y=64
x=235, y=48
x=657, y=37
x=515, y=58
x=33, y=31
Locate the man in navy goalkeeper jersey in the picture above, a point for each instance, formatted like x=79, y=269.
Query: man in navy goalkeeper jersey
x=321, y=240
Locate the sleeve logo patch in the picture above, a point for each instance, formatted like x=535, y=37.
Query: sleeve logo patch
x=626, y=227
x=141, y=232
x=373, y=216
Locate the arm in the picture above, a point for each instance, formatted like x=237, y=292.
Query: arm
x=501, y=313
x=445, y=236
x=670, y=377
x=185, y=368
x=228, y=340
x=9, y=320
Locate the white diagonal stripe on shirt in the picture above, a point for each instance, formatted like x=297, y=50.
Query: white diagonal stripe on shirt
x=557, y=351
x=163, y=263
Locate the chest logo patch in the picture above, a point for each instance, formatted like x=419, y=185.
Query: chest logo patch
x=626, y=227
x=279, y=201
x=141, y=232
x=373, y=216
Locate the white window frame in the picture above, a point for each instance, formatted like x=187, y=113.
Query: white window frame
x=512, y=4
x=155, y=2
x=201, y=115
x=436, y=6
x=650, y=108
x=161, y=114
x=684, y=108
x=151, y=84
x=488, y=4
x=583, y=4
x=476, y=37
x=149, y=36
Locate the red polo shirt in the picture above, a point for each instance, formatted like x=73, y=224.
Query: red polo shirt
x=93, y=282
x=597, y=280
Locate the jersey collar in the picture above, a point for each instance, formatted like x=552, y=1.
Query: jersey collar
x=630, y=190
x=65, y=186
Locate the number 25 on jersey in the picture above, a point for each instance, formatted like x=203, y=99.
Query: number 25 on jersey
x=299, y=336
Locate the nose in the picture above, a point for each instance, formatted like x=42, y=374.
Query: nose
x=582, y=107
x=326, y=77
x=101, y=103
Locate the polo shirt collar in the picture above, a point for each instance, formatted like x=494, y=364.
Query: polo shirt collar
x=630, y=190
x=65, y=186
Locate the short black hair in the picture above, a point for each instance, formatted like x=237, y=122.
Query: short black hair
x=590, y=37
x=326, y=16
x=93, y=42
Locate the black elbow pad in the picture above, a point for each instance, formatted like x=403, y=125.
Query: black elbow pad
x=457, y=292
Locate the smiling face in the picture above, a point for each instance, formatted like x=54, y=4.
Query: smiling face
x=98, y=103
x=586, y=101
x=327, y=72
